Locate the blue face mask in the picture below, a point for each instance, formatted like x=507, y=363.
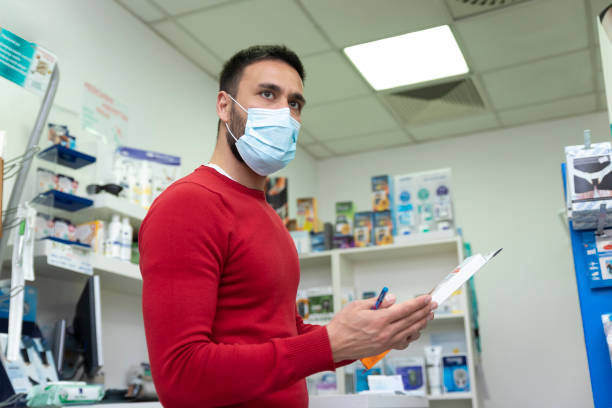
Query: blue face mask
x=269, y=140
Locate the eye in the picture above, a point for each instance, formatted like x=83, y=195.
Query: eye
x=267, y=94
x=295, y=105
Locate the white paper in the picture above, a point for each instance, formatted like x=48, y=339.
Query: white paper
x=459, y=276
x=385, y=383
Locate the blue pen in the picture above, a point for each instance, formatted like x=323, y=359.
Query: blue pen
x=381, y=297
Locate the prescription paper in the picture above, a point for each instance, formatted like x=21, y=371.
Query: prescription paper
x=459, y=276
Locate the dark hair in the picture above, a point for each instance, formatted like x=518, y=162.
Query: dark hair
x=233, y=68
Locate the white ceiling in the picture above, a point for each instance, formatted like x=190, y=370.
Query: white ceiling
x=532, y=60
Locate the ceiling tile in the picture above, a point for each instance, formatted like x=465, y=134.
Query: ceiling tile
x=305, y=138
x=454, y=127
x=236, y=26
x=318, y=151
x=188, y=46
x=541, y=81
x=329, y=77
x=352, y=117
x=174, y=7
x=144, y=9
x=523, y=32
x=558, y=109
x=350, y=22
x=370, y=142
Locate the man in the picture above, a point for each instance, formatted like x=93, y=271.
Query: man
x=220, y=271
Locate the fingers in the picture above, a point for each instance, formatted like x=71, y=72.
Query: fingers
x=387, y=302
x=405, y=309
x=403, y=338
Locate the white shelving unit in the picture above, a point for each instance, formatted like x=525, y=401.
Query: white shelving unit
x=408, y=269
x=72, y=263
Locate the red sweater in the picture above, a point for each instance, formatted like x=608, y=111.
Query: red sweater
x=220, y=275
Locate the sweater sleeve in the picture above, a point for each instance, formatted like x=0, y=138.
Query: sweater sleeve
x=183, y=243
x=306, y=328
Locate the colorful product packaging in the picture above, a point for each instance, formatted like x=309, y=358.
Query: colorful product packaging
x=91, y=233
x=307, y=216
x=383, y=228
x=363, y=232
x=456, y=375
x=345, y=213
x=382, y=193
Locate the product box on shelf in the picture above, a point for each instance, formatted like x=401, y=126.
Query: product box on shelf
x=364, y=222
x=64, y=229
x=412, y=371
x=383, y=228
x=59, y=134
x=276, y=195
x=456, y=375
x=43, y=226
x=382, y=193
x=423, y=202
x=307, y=216
x=322, y=241
x=589, y=184
x=301, y=239
x=345, y=212
x=144, y=174
x=343, y=241
x=92, y=233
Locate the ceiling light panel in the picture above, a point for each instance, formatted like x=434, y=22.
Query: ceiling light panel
x=409, y=59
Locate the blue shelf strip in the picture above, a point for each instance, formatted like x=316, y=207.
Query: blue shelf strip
x=66, y=157
x=62, y=201
x=593, y=303
x=65, y=241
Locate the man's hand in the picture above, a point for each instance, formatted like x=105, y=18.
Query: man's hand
x=358, y=331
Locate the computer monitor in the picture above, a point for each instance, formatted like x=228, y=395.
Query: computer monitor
x=87, y=326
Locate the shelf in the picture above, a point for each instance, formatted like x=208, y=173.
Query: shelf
x=366, y=400
x=62, y=201
x=66, y=157
x=451, y=396
x=414, y=248
x=447, y=317
x=105, y=205
x=65, y=241
x=315, y=259
x=61, y=261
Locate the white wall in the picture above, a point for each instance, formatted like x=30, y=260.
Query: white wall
x=507, y=193
x=171, y=108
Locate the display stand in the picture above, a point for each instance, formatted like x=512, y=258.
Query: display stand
x=22, y=175
x=593, y=303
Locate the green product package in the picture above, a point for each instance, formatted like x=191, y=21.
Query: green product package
x=64, y=393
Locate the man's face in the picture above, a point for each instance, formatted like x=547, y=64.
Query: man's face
x=269, y=84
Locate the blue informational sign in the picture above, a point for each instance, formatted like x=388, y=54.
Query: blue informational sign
x=598, y=256
x=25, y=63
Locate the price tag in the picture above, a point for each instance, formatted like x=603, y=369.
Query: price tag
x=68, y=257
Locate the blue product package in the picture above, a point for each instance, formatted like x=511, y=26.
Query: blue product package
x=317, y=241
x=412, y=377
x=361, y=377
x=30, y=300
x=456, y=375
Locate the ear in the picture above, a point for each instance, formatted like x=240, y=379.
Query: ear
x=223, y=106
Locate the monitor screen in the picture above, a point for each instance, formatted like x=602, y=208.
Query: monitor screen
x=88, y=326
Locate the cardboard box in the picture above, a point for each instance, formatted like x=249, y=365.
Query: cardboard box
x=307, y=215
x=345, y=214
x=382, y=193
x=383, y=228
x=364, y=232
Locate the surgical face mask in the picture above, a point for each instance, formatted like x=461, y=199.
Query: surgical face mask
x=269, y=140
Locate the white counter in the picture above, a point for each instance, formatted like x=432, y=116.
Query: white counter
x=327, y=401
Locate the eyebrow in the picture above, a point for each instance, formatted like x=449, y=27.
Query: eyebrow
x=273, y=87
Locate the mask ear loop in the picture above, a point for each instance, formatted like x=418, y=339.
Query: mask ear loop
x=241, y=107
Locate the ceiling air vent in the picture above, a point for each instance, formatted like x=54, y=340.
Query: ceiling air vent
x=436, y=102
x=466, y=8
